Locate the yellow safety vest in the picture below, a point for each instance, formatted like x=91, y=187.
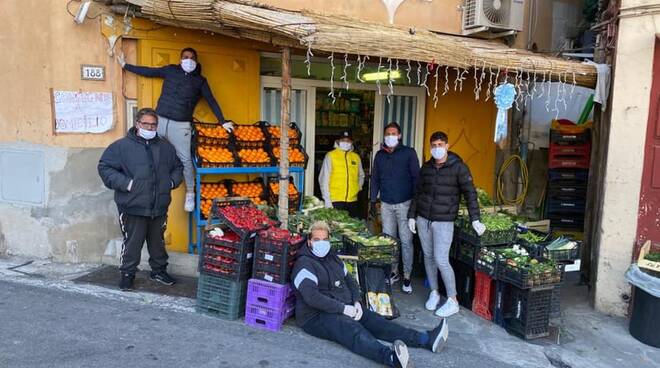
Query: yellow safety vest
x=344, y=175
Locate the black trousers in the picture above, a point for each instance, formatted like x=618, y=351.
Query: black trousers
x=137, y=229
x=361, y=337
x=351, y=207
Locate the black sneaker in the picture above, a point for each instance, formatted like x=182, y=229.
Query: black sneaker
x=400, y=356
x=126, y=281
x=163, y=277
x=438, y=337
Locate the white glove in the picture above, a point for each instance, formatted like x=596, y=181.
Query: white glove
x=229, y=126
x=328, y=204
x=478, y=227
x=121, y=59
x=412, y=225
x=358, y=315
x=350, y=311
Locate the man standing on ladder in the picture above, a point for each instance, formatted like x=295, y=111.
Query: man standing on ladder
x=341, y=176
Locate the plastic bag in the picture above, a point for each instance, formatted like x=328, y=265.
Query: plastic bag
x=644, y=281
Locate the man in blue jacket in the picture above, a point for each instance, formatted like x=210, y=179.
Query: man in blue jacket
x=394, y=175
x=328, y=307
x=142, y=169
x=183, y=86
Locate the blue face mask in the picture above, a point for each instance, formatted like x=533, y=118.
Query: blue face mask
x=320, y=248
x=438, y=152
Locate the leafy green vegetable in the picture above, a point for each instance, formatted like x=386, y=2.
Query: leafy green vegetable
x=653, y=257
x=530, y=237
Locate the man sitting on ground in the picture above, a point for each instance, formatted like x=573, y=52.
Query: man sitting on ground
x=328, y=307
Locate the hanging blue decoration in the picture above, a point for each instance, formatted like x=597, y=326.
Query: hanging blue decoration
x=505, y=94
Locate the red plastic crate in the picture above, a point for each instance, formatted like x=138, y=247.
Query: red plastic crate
x=569, y=162
x=484, y=296
x=570, y=149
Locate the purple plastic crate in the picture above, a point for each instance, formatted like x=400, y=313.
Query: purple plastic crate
x=268, y=318
x=268, y=294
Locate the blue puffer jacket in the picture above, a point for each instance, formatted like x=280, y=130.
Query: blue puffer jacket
x=394, y=174
x=151, y=164
x=181, y=91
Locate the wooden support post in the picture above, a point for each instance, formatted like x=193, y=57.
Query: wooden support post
x=285, y=120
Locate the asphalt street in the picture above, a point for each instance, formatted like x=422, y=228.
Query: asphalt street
x=52, y=327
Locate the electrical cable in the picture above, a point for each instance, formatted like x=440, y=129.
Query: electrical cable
x=524, y=176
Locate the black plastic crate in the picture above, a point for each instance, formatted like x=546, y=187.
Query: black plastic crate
x=502, y=294
x=204, y=134
x=275, y=139
x=486, y=261
x=274, y=257
x=567, y=188
x=373, y=255
x=580, y=175
x=561, y=255
x=277, y=272
x=295, y=200
x=523, y=278
x=464, y=284
x=566, y=205
x=562, y=220
x=220, y=297
x=555, y=305
x=303, y=164
x=574, y=138
x=535, y=249
x=528, y=312
x=489, y=238
x=227, y=259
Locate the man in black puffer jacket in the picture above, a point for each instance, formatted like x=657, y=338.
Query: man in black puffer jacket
x=442, y=181
x=328, y=307
x=142, y=168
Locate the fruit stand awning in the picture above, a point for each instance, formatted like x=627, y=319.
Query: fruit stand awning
x=315, y=31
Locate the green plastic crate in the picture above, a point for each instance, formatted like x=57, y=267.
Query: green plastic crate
x=221, y=297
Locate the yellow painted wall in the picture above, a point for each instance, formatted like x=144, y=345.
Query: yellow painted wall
x=43, y=48
x=470, y=126
x=233, y=74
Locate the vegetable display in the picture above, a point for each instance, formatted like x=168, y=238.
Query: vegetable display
x=500, y=229
x=378, y=249
x=653, y=257
x=518, y=268
x=531, y=237
x=246, y=218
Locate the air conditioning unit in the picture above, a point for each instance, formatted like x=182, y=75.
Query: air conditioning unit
x=493, y=15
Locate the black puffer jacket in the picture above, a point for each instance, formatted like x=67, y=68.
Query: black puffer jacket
x=321, y=285
x=151, y=164
x=439, y=190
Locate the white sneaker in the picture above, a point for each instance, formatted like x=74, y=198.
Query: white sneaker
x=432, y=302
x=189, y=204
x=448, y=309
x=406, y=286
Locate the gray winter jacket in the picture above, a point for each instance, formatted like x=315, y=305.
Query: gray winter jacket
x=151, y=164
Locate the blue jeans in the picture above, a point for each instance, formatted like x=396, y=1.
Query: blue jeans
x=361, y=337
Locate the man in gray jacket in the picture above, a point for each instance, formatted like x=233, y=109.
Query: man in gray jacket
x=142, y=168
x=328, y=307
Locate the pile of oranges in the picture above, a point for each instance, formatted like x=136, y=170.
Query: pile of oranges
x=248, y=133
x=275, y=132
x=213, y=132
x=251, y=190
x=294, y=154
x=275, y=188
x=215, y=154
x=214, y=190
x=205, y=207
x=254, y=155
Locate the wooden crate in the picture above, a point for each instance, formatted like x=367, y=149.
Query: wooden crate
x=645, y=263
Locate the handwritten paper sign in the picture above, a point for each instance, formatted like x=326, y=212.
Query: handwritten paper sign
x=82, y=112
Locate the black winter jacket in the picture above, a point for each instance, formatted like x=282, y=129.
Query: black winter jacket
x=321, y=285
x=394, y=175
x=439, y=191
x=181, y=91
x=151, y=164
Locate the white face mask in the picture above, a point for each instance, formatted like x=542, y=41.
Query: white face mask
x=320, y=248
x=438, y=152
x=188, y=65
x=345, y=146
x=146, y=134
x=391, y=141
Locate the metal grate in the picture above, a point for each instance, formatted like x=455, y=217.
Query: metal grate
x=470, y=14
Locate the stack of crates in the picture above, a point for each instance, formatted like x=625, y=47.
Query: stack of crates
x=224, y=267
x=275, y=252
x=268, y=304
x=568, y=163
